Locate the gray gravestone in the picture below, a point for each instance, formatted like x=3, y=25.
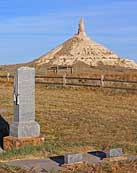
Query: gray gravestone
x=73, y=158
x=115, y=152
x=24, y=124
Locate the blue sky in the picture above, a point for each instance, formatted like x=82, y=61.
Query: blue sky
x=30, y=28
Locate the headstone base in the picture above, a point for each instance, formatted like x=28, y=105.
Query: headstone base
x=23, y=130
x=11, y=142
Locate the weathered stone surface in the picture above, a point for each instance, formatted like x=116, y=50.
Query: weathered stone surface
x=115, y=152
x=73, y=158
x=26, y=129
x=11, y=142
x=81, y=29
x=4, y=130
x=45, y=165
x=24, y=124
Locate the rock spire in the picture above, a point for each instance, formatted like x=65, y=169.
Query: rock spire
x=81, y=48
x=81, y=28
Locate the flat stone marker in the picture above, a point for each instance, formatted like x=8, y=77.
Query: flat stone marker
x=24, y=124
x=115, y=152
x=46, y=164
x=73, y=158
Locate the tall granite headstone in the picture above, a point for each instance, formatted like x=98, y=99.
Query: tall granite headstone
x=24, y=124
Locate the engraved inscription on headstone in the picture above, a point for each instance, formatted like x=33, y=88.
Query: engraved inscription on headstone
x=24, y=124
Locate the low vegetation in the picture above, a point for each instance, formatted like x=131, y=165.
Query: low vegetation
x=10, y=169
x=78, y=119
x=116, y=167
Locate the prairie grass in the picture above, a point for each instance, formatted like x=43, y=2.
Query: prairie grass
x=116, y=167
x=10, y=169
x=78, y=119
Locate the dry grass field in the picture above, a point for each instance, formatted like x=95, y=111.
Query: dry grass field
x=80, y=119
x=117, y=167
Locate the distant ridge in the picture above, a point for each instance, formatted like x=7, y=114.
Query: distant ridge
x=81, y=48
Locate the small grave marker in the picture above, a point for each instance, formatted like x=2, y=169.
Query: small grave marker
x=115, y=152
x=73, y=158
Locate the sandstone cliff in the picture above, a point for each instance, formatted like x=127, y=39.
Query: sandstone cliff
x=81, y=48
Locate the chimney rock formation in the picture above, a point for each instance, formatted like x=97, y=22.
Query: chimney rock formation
x=81, y=48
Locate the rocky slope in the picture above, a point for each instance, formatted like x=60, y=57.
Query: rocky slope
x=81, y=48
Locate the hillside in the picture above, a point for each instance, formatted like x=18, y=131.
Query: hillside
x=81, y=48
